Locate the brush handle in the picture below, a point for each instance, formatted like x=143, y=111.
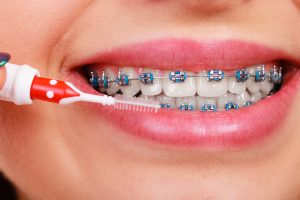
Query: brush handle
x=61, y=92
x=18, y=82
x=51, y=90
x=24, y=84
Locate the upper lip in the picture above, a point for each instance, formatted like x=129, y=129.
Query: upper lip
x=168, y=54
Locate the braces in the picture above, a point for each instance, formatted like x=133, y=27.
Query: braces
x=178, y=76
x=209, y=107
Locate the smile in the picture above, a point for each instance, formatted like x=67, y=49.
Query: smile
x=213, y=90
x=217, y=94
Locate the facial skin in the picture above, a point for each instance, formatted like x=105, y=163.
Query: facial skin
x=53, y=152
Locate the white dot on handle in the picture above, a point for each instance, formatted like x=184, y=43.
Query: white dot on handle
x=50, y=94
x=53, y=82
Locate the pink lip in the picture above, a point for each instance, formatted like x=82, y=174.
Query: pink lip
x=220, y=129
x=167, y=54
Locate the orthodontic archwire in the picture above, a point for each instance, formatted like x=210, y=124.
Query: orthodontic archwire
x=23, y=84
x=179, y=76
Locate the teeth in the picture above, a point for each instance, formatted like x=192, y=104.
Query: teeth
x=242, y=98
x=266, y=86
x=189, y=101
x=204, y=100
x=264, y=95
x=163, y=99
x=184, y=89
x=178, y=88
x=252, y=85
x=221, y=101
x=147, y=97
x=134, y=86
x=256, y=97
x=207, y=88
x=113, y=86
x=155, y=88
x=236, y=87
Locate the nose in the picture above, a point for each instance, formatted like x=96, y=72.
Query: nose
x=208, y=6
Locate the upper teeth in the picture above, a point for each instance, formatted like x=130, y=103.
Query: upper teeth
x=236, y=87
x=151, y=86
x=128, y=87
x=179, y=88
x=214, y=87
x=211, y=88
x=113, y=86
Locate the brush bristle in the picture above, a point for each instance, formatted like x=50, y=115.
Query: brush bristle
x=136, y=104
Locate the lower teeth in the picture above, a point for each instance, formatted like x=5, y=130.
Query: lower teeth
x=255, y=85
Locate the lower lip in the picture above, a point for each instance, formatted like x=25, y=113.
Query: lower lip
x=236, y=128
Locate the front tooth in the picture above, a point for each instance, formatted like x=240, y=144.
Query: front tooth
x=191, y=101
x=256, y=97
x=266, y=86
x=252, y=85
x=207, y=88
x=113, y=87
x=134, y=86
x=221, y=101
x=205, y=100
x=156, y=87
x=242, y=98
x=184, y=89
x=236, y=87
x=163, y=99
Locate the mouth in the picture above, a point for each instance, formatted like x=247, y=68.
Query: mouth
x=212, y=94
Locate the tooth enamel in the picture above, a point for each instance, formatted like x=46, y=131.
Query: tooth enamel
x=156, y=87
x=134, y=86
x=186, y=100
x=113, y=86
x=163, y=99
x=252, y=85
x=205, y=100
x=240, y=99
x=266, y=86
x=264, y=95
x=185, y=89
x=207, y=88
x=147, y=97
x=221, y=101
x=256, y=97
x=236, y=87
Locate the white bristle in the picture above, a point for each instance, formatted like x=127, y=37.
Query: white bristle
x=136, y=104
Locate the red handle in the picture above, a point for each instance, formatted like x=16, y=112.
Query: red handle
x=51, y=90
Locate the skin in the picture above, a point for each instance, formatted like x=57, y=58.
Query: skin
x=53, y=152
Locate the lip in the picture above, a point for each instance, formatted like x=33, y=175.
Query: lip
x=187, y=54
x=237, y=128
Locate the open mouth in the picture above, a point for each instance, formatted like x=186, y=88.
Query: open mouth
x=208, y=97
x=212, y=90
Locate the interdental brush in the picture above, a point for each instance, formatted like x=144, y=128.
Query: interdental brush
x=23, y=85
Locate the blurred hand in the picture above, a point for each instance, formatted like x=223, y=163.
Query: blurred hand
x=4, y=58
x=2, y=76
